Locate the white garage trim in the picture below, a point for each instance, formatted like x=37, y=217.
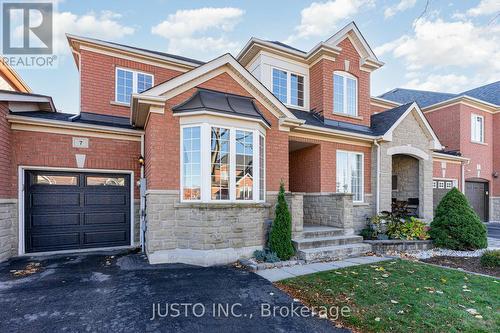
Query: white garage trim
x=20, y=191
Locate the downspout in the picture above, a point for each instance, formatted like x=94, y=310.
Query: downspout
x=377, y=173
x=142, y=184
x=462, y=176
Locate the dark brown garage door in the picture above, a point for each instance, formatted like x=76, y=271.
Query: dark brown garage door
x=66, y=211
x=477, y=194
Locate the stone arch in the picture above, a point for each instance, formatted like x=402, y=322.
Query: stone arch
x=408, y=150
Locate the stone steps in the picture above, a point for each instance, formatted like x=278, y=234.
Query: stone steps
x=319, y=231
x=320, y=243
x=308, y=243
x=333, y=252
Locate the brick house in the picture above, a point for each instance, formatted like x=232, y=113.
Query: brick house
x=186, y=157
x=464, y=123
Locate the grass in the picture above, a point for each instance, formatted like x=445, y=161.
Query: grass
x=404, y=296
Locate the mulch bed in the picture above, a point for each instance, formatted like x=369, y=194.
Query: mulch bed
x=470, y=264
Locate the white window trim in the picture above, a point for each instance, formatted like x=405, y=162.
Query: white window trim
x=473, y=119
x=205, y=146
x=362, y=171
x=134, y=81
x=345, y=75
x=264, y=168
x=289, y=86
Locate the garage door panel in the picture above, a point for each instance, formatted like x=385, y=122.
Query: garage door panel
x=51, y=242
x=115, y=199
x=66, y=217
x=54, y=220
x=105, y=218
x=55, y=199
x=105, y=237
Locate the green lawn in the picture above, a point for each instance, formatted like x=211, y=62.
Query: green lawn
x=404, y=296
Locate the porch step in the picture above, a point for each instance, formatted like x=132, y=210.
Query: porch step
x=321, y=231
x=337, y=252
x=318, y=242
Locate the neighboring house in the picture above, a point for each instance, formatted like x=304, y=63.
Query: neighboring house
x=465, y=124
x=186, y=157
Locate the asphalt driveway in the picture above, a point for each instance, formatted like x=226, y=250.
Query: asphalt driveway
x=116, y=292
x=493, y=230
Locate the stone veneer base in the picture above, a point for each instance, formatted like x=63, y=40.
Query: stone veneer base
x=201, y=257
x=396, y=245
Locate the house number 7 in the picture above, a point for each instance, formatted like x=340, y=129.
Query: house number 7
x=80, y=142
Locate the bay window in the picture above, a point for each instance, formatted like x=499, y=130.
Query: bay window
x=477, y=128
x=345, y=93
x=222, y=164
x=350, y=174
x=288, y=87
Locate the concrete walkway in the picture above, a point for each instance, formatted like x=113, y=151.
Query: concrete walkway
x=276, y=274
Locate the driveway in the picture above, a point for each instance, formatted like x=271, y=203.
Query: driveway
x=493, y=235
x=116, y=292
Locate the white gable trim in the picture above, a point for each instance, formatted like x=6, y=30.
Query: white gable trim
x=408, y=150
x=213, y=65
x=342, y=33
x=388, y=135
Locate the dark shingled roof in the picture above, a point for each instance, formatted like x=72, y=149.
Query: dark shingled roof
x=285, y=45
x=82, y=118
x=383, y=121
x=423, y=98
x=488, y=93
x=380, y=123
x=216, y=101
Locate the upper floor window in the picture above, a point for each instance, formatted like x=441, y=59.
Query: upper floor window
x=345, y=93
x=222, y=164
x=477, y=128
x=288, y=87
x=129, y=82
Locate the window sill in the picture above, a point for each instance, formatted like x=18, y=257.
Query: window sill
x=222, y=205
x=347, y=116
x=479, y=143
x=120, y=104
x=354, y=204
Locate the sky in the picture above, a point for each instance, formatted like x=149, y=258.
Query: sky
x=439, y=45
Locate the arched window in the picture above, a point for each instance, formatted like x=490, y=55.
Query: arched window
x=345, y=93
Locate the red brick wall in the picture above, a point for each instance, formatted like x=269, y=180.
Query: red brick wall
x=321, y=84
x=446, y=124
x=453, y=171
x=162, y=141
x=5, y=154
x=305, y=173
x=478, y=153
x=55, y=150
x=97, y=75
x=377, y=109
x=313, y=169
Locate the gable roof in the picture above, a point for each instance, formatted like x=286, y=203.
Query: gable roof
x=352, y=29
x=73, y=40
x=157, y=95
x=45, y=103
x=13, y=78
x=489, y=93
x=219, y=102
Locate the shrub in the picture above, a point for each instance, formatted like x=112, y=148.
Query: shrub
x=409, y=229
x=456, y=226
x=272, y=257
x=280, y=238
x=368, y=233
x=259, y=255
x=491, y=259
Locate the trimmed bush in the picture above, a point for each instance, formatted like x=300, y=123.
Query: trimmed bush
x=280, y=238
x=491, y=259
x=456, y=226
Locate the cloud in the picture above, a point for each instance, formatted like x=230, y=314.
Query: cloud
x=104, y=25
x=320, y=19
x=445, y=83
x=186, y=30
x=485, y=7
x=400, y=7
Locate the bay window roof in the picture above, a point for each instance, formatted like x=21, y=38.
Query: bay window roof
x=215, y=101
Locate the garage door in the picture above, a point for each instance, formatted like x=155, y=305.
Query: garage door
x=440, y=188
x=66, y=211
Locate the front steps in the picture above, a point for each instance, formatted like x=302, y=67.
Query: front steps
x=320, y=243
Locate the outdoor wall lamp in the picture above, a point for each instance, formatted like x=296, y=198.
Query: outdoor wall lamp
x=141, y=160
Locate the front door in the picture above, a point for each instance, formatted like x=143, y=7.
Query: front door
x=477, y=194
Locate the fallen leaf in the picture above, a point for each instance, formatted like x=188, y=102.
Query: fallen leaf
x=385, y=275
x=478, y=316
x=377, y=319
x=472, y=311
x=394, y=302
